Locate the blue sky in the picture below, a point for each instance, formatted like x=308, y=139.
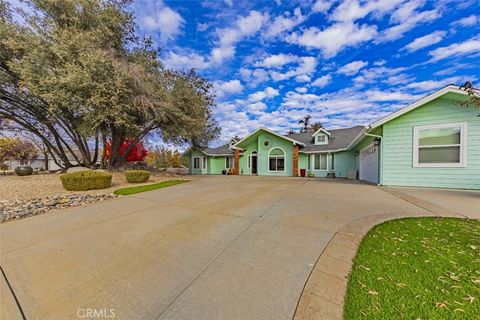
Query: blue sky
x=343, y=62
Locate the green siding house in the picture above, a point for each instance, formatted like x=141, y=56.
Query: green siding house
x=435, y=142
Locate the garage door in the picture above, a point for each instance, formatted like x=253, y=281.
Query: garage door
x=369, y=164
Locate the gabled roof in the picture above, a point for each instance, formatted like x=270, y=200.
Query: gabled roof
x=419, y=103
x=222, y=150
x=339, y=140
x=321, y=130
x=235, y=146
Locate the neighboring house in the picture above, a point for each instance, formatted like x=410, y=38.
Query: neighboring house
x=37, y=163
x=434, y=142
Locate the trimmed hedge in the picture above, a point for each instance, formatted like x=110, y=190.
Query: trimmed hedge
x=86, y=180
x=137, y=176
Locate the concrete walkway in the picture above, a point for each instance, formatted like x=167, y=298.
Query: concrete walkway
x=214, y=248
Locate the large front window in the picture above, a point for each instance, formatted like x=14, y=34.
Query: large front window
x=440, y=145
x=320, y=162
x=276, y=160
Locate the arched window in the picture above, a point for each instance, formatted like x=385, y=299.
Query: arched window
x=276, y=160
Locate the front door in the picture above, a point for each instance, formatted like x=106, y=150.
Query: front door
x=254, y=164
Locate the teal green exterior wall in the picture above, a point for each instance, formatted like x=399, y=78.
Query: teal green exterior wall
x=302, y=162
x=263, y=153
x=196, y=153
x=397, y=147
x=344, y=162
x=216, y=165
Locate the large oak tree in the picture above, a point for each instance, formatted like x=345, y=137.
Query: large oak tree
x=75, y=75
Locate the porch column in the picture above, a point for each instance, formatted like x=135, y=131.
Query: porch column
x=236, y=162
x=295, y=160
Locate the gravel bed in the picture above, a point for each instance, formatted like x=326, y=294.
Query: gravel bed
x=22, y=197
x=21, y=208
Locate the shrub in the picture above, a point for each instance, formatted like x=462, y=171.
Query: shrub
x=136, y=176
x=86, y=180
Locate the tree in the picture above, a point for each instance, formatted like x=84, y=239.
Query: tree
x=473, y=96
x=316, y=126
x=76, y=76
x=14, y=148
x=305, y=123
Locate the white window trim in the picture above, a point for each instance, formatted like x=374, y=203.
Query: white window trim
x=313, y=163
x=199, y=164
x=284, y=160
x=321, y=143
x=463, y=146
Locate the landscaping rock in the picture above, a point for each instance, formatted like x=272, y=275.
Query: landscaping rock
x=22, y=208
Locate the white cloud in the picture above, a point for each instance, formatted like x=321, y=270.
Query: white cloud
x=254, y=77
x=380, y=96
x=256, y=108
x=306, y=66
x=242, y=28
x=322, y=6
x=377, y=74
x=379, y=63
x=284, y=23
x=425, y=41
x=334, y=38
x=301, y=89
x=407, y=17
x=277, y=60
x=469, y=21
x=229, y=2
x=220, y=54
x=456, y=49
x=322, y=81
x=186, y=61
x=228, y=87
x=431, y=85
x=351, y=10
x=353, y=67
x=166, y=21
x=267, y=93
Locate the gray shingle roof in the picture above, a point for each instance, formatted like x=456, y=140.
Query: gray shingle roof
x=338, y=140
x=218, y=150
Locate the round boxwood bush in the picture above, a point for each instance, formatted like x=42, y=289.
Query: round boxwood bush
x=137, y=176
x=86, y=180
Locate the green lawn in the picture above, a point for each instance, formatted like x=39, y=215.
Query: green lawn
x=417, y=268
x=147, y=187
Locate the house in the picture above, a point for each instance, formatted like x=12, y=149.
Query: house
x=37, y=163
x=434, y=142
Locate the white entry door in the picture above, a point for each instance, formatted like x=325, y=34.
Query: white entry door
x=369, y=164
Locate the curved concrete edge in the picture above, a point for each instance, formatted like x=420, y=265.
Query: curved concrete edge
x=324, y=293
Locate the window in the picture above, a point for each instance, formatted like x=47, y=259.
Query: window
x=229, y=162
x=196, y=163
x=321, y=139
x=276, y=160
x=320, y=162
x=204, y=163
x=331, y=162
x=440, y=145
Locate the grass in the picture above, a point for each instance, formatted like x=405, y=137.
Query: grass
x=417, y=268
x=148, y=187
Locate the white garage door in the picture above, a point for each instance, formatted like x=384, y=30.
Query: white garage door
x=369, y=164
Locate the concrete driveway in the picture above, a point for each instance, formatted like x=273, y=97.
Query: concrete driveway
x=214, y=248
